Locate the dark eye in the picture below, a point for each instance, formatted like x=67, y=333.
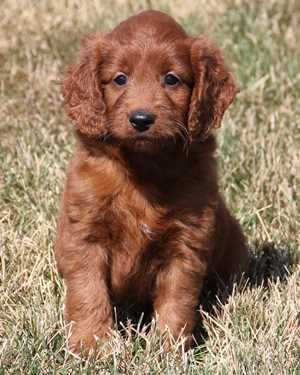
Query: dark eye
x=171, y=80
x=121, y=79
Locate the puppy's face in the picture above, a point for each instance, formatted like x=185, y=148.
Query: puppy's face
x=147, y=84
x=147, y=90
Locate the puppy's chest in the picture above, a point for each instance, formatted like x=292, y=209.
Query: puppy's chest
x=126, y=222
x=112, y=212
x=129, y=228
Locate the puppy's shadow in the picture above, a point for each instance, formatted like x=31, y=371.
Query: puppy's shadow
x=267, y=263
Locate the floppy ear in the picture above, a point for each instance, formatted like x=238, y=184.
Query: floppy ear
x=214, y=88
x=83, y=99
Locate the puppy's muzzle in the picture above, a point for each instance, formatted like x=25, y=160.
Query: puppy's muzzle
x=141, y=120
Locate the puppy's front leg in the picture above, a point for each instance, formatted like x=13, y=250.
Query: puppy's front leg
x=177, y=293
x=88, y=305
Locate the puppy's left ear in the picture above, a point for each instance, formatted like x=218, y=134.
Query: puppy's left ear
x=214, y=88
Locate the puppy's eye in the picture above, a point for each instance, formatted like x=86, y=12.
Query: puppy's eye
x=171, y=80
x=121, y=79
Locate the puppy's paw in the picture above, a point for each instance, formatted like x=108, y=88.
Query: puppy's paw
x=80, y=345
x=86, y=346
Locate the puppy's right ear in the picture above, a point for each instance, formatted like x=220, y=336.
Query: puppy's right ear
x=83, y=99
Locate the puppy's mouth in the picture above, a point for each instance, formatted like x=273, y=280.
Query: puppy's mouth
x=132, y=137
x=137, y=138
x=142, y=141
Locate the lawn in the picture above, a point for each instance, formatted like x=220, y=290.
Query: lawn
x=257, y=331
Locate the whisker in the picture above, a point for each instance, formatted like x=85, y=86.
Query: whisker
x=184, y=135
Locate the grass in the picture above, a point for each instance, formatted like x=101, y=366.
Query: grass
x=258, y=330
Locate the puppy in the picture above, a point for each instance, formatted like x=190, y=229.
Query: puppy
x=141, y=218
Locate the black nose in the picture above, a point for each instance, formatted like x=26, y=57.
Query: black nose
x=141, y=120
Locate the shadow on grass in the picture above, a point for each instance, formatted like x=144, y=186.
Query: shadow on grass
x=267, y=263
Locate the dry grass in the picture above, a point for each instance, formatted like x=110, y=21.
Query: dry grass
x=257, y=331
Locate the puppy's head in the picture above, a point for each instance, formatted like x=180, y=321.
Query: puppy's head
x=147, y=84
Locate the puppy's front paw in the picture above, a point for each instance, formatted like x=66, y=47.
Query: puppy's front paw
x=87, y=344
x=81, y=344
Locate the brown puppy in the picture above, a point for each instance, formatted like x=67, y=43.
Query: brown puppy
x=141, y=216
